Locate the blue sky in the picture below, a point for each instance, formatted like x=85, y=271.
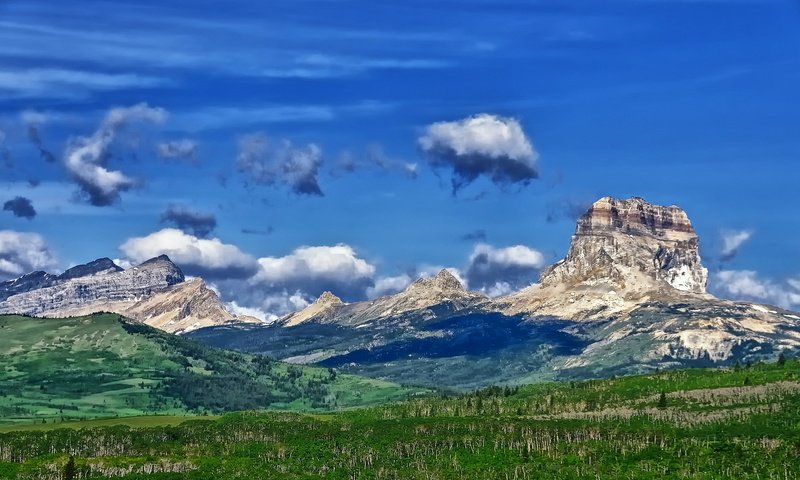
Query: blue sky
x=681, y=102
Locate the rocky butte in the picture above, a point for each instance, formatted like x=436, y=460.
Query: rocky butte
x=623, y=253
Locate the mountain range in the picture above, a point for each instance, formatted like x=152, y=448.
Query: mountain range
x=155, y=293
x=630, y=296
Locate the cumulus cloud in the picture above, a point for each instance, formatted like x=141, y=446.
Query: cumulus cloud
x=389, y=285
x=196, y=256
x=732, y=241
x=22, y=252
x=87, y=157
x=184, y=149
x=34, y=121
x=482, y=145
x=498, y=271
x=195, y=222
x=295, y=167
x=748, y=285
x=273, y=306
x=316, y=269
x=20, y=207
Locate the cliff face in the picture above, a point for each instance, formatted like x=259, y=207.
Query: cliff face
x=109, y=285
x=154, y=292
x=632, y=245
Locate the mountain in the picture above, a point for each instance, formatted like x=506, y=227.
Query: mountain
x=105, y=366
x=154, y=292
x=623, y=253
x=424, y=297
x=629, y=297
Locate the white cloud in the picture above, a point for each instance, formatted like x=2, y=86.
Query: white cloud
x=498, y=271
x=732, y=240
x=288, y=283
x=316, y=269
x=484, y=144
x=747, y=285
x=389, y=285
x=22, y=252
x=258, y=313
x=196, y=256
x=86, y=157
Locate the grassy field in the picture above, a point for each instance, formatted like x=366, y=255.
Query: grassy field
x=66, y=370
x=741, y=422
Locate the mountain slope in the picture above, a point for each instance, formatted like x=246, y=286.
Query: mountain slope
x=442, y=291
x=629, y=297
x=154, y=292
x=103, y=366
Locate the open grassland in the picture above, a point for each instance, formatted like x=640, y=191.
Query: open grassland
x=695, y=424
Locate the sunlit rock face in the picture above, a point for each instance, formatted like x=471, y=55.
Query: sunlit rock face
x=154, y=292
x=632, y=244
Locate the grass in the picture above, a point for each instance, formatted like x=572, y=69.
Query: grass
x=733, y=423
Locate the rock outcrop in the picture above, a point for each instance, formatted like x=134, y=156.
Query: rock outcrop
x=326, y=305
x=631, y=244
x=154, y=292
x=623, y=253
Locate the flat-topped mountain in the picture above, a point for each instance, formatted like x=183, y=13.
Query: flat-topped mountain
x=624, y=253
x=630, y=296
x=631, y=244
x=154, y=292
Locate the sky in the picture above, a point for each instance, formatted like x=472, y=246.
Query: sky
x=282, y=148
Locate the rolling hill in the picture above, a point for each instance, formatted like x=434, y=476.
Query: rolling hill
x=99, y=366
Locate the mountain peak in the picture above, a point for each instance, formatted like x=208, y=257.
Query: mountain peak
x=164, y=266
x=443, y=281
x=632, y=245
x=159, y=259
x=101, y=265
x=328, y=299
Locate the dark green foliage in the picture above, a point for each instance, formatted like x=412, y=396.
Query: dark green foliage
x=662, y=400
x=782, y=359
x=69, y=469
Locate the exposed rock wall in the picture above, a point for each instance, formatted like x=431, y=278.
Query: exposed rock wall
x=632, y=245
